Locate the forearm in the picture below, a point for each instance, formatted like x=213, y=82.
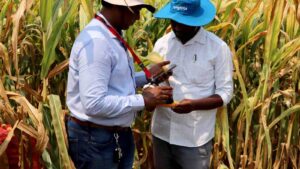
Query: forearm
x=211, y=102
x=112, y=105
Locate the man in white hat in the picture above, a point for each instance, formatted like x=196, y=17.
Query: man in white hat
x=101, y=88
x=202, y=82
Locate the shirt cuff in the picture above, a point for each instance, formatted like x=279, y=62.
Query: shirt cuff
x=224, y=97
x=137, y=101
x=140, y=79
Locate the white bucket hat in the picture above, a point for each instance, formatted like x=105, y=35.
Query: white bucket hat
x=131, y=3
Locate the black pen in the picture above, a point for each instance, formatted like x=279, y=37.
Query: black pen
x=195, y=57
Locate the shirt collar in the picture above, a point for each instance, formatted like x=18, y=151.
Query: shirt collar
x=200, y=37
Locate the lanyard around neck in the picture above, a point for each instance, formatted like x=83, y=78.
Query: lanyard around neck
x=135, y=57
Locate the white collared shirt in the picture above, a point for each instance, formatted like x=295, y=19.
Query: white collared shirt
x=101, y=79
x=204, y=67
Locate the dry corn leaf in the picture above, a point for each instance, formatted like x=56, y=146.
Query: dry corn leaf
x=155, y=58
x=3, y=92
x=24, y=5
x=37, y=119
x=7, y=109
x=28, y=129
x=4, y=56
x=58, y=69
x=26, y=87
x=16, y=22
x=298, y=13
x=32, y=111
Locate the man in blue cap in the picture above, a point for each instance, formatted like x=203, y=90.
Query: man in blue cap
x=201, y=82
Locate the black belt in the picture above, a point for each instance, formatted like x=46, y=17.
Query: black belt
x=93, y=125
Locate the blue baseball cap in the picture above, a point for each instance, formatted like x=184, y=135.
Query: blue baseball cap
x=188, y=12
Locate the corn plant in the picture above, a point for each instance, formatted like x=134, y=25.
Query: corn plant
x=28, y=50
x=258, y=129
x=264, y=40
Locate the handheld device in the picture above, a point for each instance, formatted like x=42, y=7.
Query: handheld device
x=162, y=76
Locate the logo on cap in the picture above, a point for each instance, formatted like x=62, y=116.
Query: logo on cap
x=180, y=8
x=185, y=7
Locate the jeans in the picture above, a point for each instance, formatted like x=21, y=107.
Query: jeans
x=168, y=156
x=93, y=148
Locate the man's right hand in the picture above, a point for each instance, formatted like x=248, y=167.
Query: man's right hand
x=156, y=95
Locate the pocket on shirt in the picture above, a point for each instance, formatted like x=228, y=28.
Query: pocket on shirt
x=199, y=72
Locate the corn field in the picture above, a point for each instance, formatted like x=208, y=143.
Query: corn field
x=259, y=129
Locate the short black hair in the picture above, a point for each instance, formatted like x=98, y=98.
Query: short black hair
x=106, y=4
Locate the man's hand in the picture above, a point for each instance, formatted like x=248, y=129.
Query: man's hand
x=158, y=68
x=188, y=105
x=156, y=95
x=183, y=107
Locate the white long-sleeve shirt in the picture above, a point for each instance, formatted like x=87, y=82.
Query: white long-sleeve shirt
x=204, y=67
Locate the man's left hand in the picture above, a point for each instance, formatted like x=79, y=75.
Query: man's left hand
x=183, y=107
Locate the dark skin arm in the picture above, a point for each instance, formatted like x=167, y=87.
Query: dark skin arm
x=188, y=105
x=157, y=68
x=154, y=96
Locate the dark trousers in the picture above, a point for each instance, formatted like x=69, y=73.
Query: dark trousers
x=93, y=148
x=168, y=156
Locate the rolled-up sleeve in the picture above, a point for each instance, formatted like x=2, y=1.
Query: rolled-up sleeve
x=223, y=74
x=140, y=79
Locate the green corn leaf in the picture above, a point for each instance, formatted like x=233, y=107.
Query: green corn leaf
x=88, y=8
x=4, y=10
x=284, y=54
x=227, y=8
x=47, y=160
x=83, y=18
x=271, y=43
x=56, y=10
x=251, y=41
x=56, y=110
x=54, y=37
x=46, y=12
x=221, y=26
x=2, y=13
x=246, y=25
x=225, y=135
x=294, y=109
x=264, y=112
x=222, y=166
x=291, y=20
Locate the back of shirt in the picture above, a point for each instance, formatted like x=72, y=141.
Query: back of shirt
x=101, y=79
